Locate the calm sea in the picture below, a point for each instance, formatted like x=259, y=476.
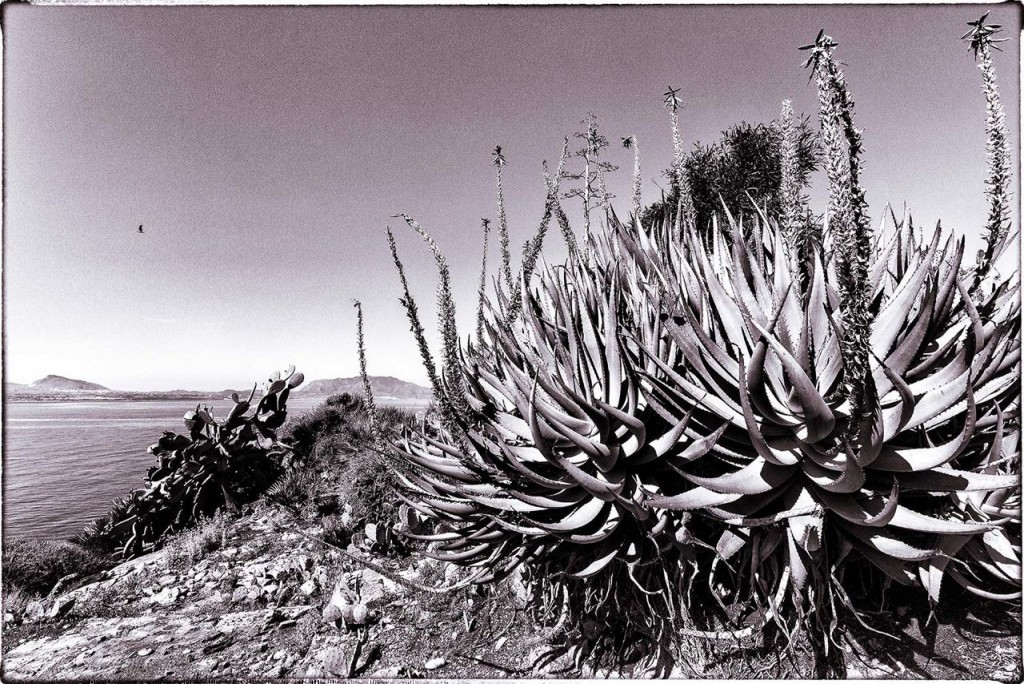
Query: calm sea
x=65, y=461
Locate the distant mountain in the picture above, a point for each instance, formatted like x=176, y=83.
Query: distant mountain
x=56, y=383
x=383, y=386
x=59, y=388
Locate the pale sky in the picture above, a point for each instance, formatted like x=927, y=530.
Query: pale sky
x=265, y=148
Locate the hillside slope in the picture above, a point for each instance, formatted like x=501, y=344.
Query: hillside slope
x=56, y=383
x=383, y=386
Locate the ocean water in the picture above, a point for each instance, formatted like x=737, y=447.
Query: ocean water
x=64, y=462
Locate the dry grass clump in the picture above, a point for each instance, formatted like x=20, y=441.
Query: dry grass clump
x=336, y=463
x=35, y=566
x=187, y=548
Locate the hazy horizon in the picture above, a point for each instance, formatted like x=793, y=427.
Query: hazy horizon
x=264, y=149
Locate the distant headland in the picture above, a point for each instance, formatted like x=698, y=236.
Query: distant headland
x=60, y=388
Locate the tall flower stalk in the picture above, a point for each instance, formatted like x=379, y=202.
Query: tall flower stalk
x=997, y=180
x=801, y=235
x=371, y=406
x=848, y=221
x=680, y=183
x=451, y=373
x=563, y=220
x=506, y=269
x=790, y=186
x=532, y=248
x=593, y=191
x=412, y=313
x=631, y=142
x=482, y=290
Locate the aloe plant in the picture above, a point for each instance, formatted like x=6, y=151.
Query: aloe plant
x=667, y=411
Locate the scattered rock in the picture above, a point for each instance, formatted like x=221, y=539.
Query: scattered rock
x=392, y=672
x=61, y=607
x=435, y=663
x=217, y=642
x=165, y=596
x=35, y=610
x=62, y=584
x=332, y=613
x=145, y=652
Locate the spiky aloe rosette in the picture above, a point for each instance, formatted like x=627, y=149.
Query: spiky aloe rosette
x=662, y=399
x=219, y=463
x=659, y=410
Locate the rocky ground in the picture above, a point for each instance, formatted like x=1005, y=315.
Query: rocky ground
x=274, y=601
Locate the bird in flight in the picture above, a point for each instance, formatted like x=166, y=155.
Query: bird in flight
x=140, y=229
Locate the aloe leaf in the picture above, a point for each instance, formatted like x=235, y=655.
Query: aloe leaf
x=756, y=478
x=951, y=480
x=696, y=498
x=1002, y=553
x=978, y=591
x=909, y=519
x=593, y=511
x=772, y=456
x=928, y=458
x=598, y=564
x=817, y=415
x=889, y=545
x=867, y=511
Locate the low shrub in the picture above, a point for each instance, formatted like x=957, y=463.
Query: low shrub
x=335, y=462
x=35, y=566
x=15, y=600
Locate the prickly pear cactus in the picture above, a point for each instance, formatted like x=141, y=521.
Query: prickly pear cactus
x=217, y=464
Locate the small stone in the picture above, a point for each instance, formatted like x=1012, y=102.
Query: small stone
x=332, y=613
x=308, y=587
x=61, y=608
x=145, y=651
x=500, y=643
x=239, y=594
x=435, y=663
x=279, y=655
x=35, y=610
